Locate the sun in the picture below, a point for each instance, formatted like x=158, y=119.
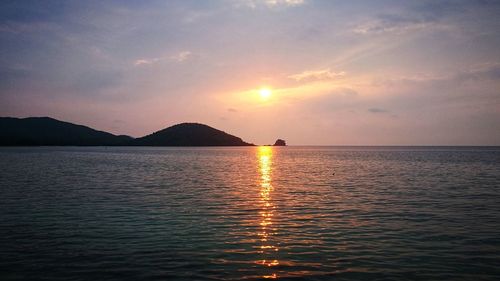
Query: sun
x=265, y=93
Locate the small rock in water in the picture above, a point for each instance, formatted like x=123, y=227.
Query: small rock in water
x=280, y=142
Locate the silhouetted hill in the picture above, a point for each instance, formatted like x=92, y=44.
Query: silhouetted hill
x=190, y=134
x=36, y=131
x=49, y=131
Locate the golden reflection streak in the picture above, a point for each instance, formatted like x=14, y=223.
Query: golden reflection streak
x=264, y=154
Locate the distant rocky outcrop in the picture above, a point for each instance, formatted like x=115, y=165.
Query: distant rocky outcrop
x=45, y=131
x=280, y=142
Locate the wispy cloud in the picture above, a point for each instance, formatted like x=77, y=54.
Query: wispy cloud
x=477, y=72
x=28, y=27
x=270, y=3
x=147, y=61
x=284, y=2
x=182, y=56
x=379, y=27
x=179, y=57
x=482, y=71
x=377, y=110
x=314, y=75
x=397, y=24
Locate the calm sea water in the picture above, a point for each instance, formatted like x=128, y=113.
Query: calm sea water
x=306, y=213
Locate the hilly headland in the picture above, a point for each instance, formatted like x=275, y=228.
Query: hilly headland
x=46, y=131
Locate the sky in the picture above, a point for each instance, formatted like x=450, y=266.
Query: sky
x=339, y=72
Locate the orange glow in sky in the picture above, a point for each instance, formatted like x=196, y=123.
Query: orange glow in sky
x=367, y=73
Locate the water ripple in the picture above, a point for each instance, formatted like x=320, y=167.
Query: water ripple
x=250, y=213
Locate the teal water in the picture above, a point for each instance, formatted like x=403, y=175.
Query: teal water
x=304, y=213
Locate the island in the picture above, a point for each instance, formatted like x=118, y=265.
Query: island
x=280, y=142
x=190, y=134
x=46, y=131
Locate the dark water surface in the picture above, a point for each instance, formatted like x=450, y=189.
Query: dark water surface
x=250, y=213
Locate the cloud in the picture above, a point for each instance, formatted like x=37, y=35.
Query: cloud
x=484, y=71
x=28, y=27
x=96, y=81
x=147, y=61
x=489, y=71
x=377, y=110
x=232, y=110
x=397, y=24
x=284, y=2
x=179, y=57
x=182, y=56
x=379, y=27
x=314, y=75
x=270, y=3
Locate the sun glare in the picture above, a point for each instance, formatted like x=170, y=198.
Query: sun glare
x=265, y=93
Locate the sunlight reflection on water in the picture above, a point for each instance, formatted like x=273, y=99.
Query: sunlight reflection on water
x=268, y=247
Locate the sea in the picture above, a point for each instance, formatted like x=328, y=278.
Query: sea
x=250, y=213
